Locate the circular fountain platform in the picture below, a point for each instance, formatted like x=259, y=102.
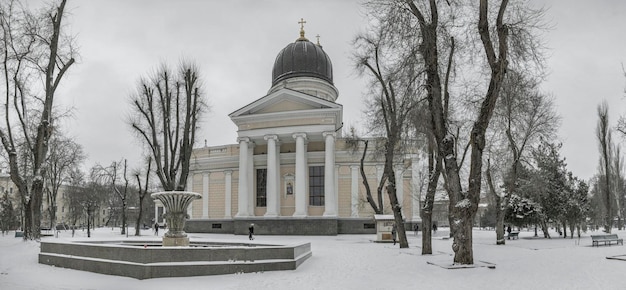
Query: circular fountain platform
x=146, y=259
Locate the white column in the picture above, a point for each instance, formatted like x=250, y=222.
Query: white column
x=251, y=181
x=278, y=183
x=205, y=195
x=416, y=194
x=337, y=188
x=400, y=188
x=300, y=190
x=330, y=199
x=271, y=186
x=228, y=188
x=354, y=191
x=243, y=178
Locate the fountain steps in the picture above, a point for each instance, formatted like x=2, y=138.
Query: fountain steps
x=159, y=262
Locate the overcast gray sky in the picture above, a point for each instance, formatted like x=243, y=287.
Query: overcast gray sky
x=235, y=44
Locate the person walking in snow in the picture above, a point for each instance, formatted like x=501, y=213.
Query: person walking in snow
x=394, y=232
x=251, y=232
x=156, y=229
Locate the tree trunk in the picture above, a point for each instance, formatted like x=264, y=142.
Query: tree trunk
x=499, y=208
x=137, y=224
x=499, y=222
x=393, y=199
x=434, y=171
x=427, y=227
x=88, y=223
x=124, y=216
x=544, y=229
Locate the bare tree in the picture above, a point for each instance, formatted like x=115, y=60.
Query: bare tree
x=166, y=110
x=395, y=90
x=494, y=37
x=525, y=115
x=356, y=143
x=605, y=142
x=64, y=157
x=421, y=124
x=115, y=178
x=33, y=48
x=618, y=182
x=143, y=192
x=84, y=198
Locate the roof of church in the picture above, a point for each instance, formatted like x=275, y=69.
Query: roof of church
x=302, y=58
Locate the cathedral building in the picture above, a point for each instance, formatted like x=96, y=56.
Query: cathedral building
x=291, y=172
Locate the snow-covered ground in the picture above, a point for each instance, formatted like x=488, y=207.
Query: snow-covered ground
x=354, y=262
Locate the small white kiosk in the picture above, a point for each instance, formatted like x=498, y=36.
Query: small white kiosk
x=384, y=225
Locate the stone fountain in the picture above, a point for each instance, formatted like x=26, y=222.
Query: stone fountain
x=176, y=204
x=144, y=259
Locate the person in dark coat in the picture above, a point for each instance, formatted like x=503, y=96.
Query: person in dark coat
x=251, y=232
x=156, y=229
x=394, y=232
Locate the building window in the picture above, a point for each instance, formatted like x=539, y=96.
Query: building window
x=316, y=185
x=261, y=190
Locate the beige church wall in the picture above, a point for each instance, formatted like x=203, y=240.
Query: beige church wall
x=217, y=195
x=287, y=147
x=315, y=146
x=196, y=186
x=344, y=191
x=364, y=206
x=315, y=210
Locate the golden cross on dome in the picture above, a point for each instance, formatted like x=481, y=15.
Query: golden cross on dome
x=302, y=22
x=318, y=39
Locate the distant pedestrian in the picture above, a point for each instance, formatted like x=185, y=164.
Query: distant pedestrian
x=394, y=232
x=508, y=230
x=251, y=232
x=435, y=228
x=156, y=229
x=416, y=228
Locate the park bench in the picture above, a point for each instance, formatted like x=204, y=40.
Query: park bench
x=513, y=235
x=597, y=239
x=46, y=232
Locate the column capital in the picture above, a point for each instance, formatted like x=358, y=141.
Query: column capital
x=329, y=133
x=271, y=136
x=299, y=135
x=243, y=139
x=353, y=167
x=228, y=171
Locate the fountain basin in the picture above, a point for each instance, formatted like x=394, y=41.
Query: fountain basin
x=130, y=259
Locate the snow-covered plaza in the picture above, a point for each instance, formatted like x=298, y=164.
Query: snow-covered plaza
x=355, y=262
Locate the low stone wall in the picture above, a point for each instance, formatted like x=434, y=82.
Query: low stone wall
x=155, y=262
x=283, y=226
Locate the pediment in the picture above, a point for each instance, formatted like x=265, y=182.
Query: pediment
x=284, y=100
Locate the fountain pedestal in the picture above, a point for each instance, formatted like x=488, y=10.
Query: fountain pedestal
x=176, y=204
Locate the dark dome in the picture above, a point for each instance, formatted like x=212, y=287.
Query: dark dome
x=302, y=58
